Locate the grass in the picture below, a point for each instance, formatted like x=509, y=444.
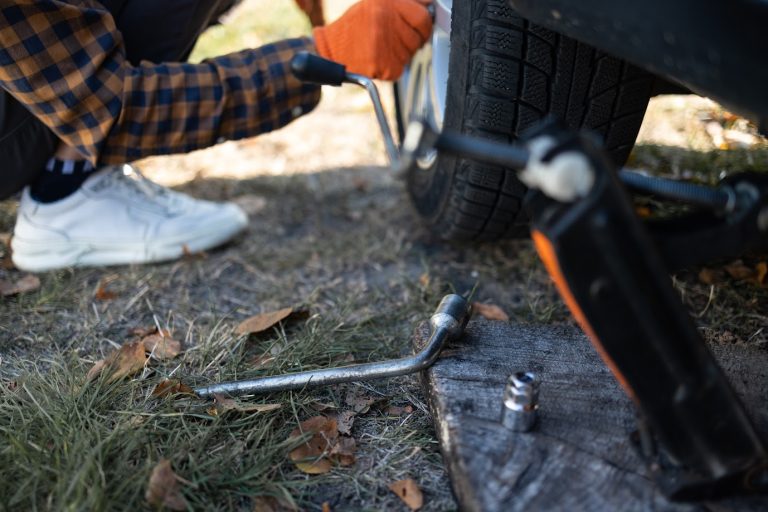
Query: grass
x=72, y=446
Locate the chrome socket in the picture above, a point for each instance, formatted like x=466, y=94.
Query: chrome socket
x=521, y=402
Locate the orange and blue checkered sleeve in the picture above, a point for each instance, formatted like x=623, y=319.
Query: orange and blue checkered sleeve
x=65, y=62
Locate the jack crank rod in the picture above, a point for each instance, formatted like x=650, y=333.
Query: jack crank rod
x=447, y=323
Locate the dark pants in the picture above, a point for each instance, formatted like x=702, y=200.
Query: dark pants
x=153, y=30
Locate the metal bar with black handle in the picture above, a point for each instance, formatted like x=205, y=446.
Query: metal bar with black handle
x=311, y=68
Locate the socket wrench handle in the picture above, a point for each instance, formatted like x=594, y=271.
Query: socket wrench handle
x=308, y=67
x=311, y=68
x=447, y=324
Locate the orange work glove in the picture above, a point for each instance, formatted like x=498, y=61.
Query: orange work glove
x=376, y=38
x=314, y=11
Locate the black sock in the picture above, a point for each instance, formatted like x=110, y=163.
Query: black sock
x=59, y=179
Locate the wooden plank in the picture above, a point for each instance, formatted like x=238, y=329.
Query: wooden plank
x=579, y=456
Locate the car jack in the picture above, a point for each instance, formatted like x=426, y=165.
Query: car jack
x=612, y=271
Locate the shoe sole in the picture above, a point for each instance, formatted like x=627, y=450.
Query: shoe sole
x=41, y=257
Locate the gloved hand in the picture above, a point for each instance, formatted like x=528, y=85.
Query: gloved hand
x=314, y=11
x=376, y=38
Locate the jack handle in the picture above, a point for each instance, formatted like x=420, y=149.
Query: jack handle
x=447, y=323
x=308, y=67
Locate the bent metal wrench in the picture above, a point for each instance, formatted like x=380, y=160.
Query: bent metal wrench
x=446, y=324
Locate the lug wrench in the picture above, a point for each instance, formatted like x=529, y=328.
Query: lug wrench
x=421, y=137
x=310, y=68
x=447, y=323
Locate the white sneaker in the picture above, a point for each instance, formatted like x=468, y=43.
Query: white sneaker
x=118, y=217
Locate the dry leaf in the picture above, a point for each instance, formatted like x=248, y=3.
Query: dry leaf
x=643, y=212
x=325, y=448
x=95, y=370
x=326, y=507
x=261, y=322
x=408, y=491
x=103, y=294
x=161, y=345
x=142, y=332
x=344, y=451
x=172, y=387
x=189, y=255
x=7, y=260
x=28, y=283
x=310, y=456
x=344, y=421
x=739, y=271
x=424, y=280
x=361, y=404
x=490, y=311
x=126, y=361
x=762, y=270
x=163, y=490
x=394, y=410
x=224, y=404
x=709, y=276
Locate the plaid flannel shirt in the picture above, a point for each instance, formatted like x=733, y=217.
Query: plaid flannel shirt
x=64, y=60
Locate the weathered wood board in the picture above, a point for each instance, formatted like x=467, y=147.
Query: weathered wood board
x=579, y=457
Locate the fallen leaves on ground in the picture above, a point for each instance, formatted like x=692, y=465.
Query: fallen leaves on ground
x=188, y=255
x=737, y=270
x=124, y=362
x=131, y=357
x=395, y=410
x=172, y=387
x=263, y=321
x=345, y=420
x=359, y=402
x=710, y=276
x=324, y=449
x=6, y=261
x=25, y=284
x=161, y=344
x=408, y=491
x=163, y=490
x=222, y=405
x=490, y=311
x=103, y=294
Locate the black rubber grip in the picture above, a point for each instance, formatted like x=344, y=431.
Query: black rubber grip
x=308, y=67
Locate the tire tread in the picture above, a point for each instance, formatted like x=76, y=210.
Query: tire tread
x=519, y=73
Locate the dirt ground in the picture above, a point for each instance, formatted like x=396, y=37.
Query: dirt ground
x=331, y=230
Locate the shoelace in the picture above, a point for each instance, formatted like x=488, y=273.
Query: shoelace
x=131, y=179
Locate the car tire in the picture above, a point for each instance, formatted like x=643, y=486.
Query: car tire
x=504, y=75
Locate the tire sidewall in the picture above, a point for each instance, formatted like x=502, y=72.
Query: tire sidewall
x=430, y=189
